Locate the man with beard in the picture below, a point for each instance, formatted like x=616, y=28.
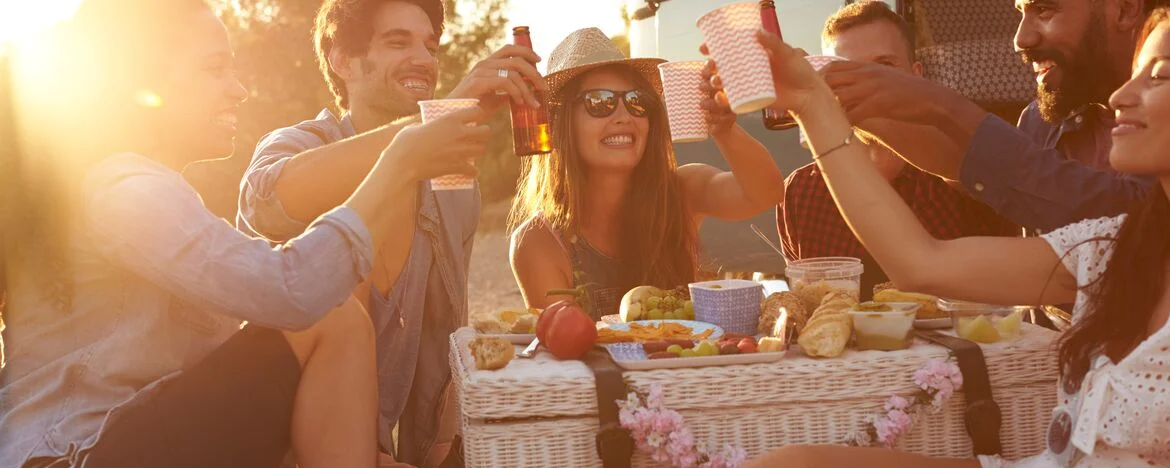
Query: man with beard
x=1053, y=169
x=379, y=59
x=808, y=220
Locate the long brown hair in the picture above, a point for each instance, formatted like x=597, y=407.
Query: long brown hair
x=1123, y=299
x=658, y=244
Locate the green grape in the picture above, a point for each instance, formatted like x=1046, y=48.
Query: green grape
x=653, y=301
x=655, y=314
x=676, y=349
x=689, y=307
x=669, y=300
x=689, y=353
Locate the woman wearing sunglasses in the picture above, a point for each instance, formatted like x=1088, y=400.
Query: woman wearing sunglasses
x=610, y=209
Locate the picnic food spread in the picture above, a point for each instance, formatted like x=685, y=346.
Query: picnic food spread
x=651, y=303
x=821, y=315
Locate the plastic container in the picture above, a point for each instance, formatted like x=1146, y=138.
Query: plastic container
x=812, y=278
x=888, y=330
x=983, y=323
x=733, y=305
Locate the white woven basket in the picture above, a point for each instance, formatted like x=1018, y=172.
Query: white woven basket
x=542, y=412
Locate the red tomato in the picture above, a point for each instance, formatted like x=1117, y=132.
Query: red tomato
x=566, y=330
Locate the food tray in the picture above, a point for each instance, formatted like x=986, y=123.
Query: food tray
x=630, y=356
x=514, y=338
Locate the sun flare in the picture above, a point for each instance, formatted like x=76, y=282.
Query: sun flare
x=21, y=18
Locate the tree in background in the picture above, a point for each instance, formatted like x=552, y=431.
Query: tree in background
x=276, y=62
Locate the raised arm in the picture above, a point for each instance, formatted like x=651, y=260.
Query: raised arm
x=994, y=270
x=147, y=220
x=996, y=163
x=307, y=182
x=754, y=183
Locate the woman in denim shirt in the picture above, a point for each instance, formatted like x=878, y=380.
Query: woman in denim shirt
x=126, y=298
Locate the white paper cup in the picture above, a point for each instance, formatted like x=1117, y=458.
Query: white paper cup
x=818, y=62
x=730, y=34
x=437, y=108
x=680, y=86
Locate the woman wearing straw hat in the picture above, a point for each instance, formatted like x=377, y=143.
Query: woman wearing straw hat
x=611, y=208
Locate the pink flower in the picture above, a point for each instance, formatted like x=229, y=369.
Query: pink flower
x=654, y=401
x=897, y=402
x=937, y=374
x=891, y=426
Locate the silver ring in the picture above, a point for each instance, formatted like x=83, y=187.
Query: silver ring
x=502, y=73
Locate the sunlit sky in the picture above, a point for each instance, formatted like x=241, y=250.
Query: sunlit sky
x=552, y=20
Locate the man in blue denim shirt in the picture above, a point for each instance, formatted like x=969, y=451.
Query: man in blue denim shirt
x=1051, y=170
x=379, y=58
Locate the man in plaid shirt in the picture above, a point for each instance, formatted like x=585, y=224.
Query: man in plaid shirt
x=808, y=220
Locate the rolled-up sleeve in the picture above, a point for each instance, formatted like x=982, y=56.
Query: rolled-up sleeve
x=260, y=210
x=1037, y=187
x=154, y=225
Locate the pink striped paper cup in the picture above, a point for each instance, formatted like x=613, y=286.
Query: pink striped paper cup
x=680, y=86
x=730, y=34
x=437, y=108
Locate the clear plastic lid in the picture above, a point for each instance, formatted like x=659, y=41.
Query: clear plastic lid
x=825, y=268
x=954, y=305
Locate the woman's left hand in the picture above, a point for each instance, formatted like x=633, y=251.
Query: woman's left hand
x=720, y=117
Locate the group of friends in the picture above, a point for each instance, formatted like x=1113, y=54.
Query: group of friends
x=142, y=330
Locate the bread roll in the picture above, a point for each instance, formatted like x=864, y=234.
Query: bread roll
x=771, y=309
x=491, y=353
x=929, y=309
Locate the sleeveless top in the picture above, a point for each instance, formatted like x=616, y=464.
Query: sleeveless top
x=598, y=272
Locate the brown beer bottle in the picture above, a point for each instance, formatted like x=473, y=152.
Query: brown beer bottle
x=530, y=135
x=773, y=119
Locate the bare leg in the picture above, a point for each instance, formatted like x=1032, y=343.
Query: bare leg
x=335, y=415
x=833, y=456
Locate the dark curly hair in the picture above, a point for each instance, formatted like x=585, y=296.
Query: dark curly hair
x=349, y=24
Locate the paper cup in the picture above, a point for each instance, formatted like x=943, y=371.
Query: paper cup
x=435, y=109
x=818, y=62
x=680, y=86
x=730, y=34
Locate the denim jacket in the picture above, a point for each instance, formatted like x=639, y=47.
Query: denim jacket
x=158, y=283
x=434, y=281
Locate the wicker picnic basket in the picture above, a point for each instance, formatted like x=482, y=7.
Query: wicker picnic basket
x=543, y=412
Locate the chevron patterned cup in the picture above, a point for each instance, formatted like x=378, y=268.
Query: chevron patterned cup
x=680, y=85
x=730, y=34
x=435, y=109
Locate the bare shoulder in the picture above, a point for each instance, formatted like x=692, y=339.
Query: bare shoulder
x=535, y=241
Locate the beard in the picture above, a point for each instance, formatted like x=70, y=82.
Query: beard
x=387, y=99
x=1082, y=81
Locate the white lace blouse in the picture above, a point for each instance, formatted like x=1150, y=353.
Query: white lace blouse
x=1119, y=415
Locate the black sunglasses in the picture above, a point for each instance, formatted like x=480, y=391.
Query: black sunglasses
x=602, y=103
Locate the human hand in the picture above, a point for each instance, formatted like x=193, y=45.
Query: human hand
x=488, y=83
x=720, y=117
x=444, y=146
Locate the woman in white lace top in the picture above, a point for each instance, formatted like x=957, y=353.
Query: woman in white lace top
x=1114, y=405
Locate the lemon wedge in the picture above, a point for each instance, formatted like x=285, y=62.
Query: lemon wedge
x=1009, y=327
x=978, y=329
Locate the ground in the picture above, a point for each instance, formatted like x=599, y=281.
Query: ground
x=490, y=284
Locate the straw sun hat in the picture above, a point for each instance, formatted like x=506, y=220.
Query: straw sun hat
x=587, y=49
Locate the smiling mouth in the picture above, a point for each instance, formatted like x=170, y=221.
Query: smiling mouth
x=1042, y=68
x=618, y=140
x=226, y=119
x=416, y=86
